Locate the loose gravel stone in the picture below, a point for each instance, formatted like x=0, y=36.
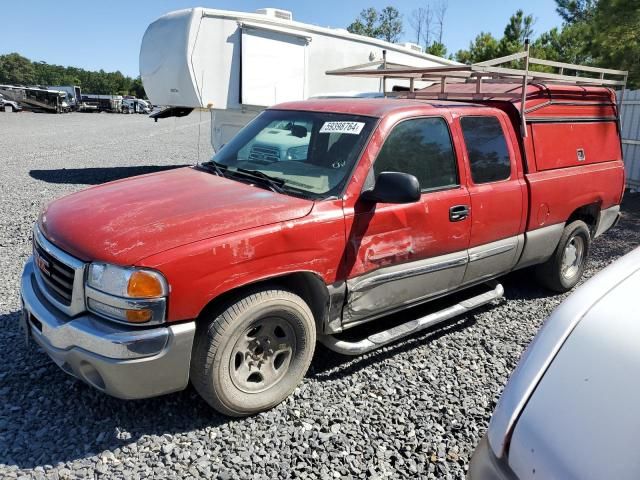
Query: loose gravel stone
x=415, y=409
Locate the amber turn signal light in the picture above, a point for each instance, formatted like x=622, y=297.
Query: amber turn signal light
x=143, y=284
x=138, y=316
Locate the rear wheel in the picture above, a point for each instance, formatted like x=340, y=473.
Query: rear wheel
x=565, y=267
x=251, y=356
x=8, y=108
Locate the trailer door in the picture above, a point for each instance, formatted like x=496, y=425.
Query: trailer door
x=273, y=68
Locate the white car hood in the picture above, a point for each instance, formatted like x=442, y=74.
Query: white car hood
x=582, y=420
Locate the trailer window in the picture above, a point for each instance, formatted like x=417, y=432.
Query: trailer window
x=487, y=148
x=421, y=147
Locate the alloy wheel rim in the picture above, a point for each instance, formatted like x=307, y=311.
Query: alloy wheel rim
x=572, y=257
x=262, y=354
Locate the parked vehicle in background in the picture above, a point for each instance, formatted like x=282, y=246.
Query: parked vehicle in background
x=36, y=98
x=135, y=105
x=9, y=105
x=101, y=103
x=569, y=409
x=74, y=95
x=238, y=63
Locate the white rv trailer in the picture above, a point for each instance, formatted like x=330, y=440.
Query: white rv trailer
x=237, y=63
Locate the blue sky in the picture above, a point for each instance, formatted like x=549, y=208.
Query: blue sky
x=107, y=34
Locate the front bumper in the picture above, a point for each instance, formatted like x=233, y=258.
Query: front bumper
x=126, y=362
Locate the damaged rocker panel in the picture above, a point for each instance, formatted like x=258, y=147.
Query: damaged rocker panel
x=388, y=287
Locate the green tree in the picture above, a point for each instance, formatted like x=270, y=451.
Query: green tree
x=366, y=24
x=573, y=11
x=519, y=28
x=438, y=49
x=567, y=44
x=390, y=24
x=16, y=70
x=137, y=89
x=386, y=24
x=615, y=36
x=484, y=47
x=604, y=33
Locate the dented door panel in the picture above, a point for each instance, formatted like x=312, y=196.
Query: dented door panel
x=400, y=254
x=403, y=284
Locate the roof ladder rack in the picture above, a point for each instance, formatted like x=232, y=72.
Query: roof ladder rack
x=483, y=74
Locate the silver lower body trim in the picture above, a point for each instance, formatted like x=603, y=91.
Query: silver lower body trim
x=540, y=244
x=491, y=259
x=383, y=278
x=608, y=218
x=121, y=361
x=398, y=285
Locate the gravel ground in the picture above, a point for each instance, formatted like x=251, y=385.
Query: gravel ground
x=415, y=409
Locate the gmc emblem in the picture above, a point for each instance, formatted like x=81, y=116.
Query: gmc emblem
x=43, y=265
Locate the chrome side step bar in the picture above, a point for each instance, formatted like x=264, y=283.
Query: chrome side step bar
x=380, y=339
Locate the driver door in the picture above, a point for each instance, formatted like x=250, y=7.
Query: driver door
x=402, y=254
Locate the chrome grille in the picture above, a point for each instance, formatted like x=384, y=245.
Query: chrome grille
x=57, y=276
x=264, y=153
x=60, y=277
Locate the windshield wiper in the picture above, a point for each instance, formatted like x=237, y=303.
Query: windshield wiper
x=274, y=183
x=215, y=167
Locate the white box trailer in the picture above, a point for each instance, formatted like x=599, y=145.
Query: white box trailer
x=237, y=63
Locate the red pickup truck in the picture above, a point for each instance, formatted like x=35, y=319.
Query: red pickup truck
x=318, y=216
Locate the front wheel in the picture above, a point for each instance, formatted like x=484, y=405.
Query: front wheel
x=565, y=267
x=253, y=354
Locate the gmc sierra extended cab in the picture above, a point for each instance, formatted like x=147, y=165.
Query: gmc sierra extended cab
x=318, y=216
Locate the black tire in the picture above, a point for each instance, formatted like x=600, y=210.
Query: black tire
x=265, y=375
x=554, y=273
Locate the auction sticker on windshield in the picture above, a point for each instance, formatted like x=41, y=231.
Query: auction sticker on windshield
x=353, y=128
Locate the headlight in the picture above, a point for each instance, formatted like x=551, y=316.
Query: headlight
x=126, y=282
x=131, y=295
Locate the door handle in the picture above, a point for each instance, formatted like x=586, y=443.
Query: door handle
x=458, y=212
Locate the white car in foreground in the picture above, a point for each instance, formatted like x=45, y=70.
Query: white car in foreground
x=571, y=407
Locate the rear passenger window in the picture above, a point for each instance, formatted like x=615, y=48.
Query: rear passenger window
x=421, y=147
x=487, y=148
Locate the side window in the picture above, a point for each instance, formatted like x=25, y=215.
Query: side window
x=487, y=148
x=421, y=147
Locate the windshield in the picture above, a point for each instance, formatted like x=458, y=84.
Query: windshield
x=309, y=153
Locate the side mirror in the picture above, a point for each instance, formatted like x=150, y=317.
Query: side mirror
x=393, y=187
